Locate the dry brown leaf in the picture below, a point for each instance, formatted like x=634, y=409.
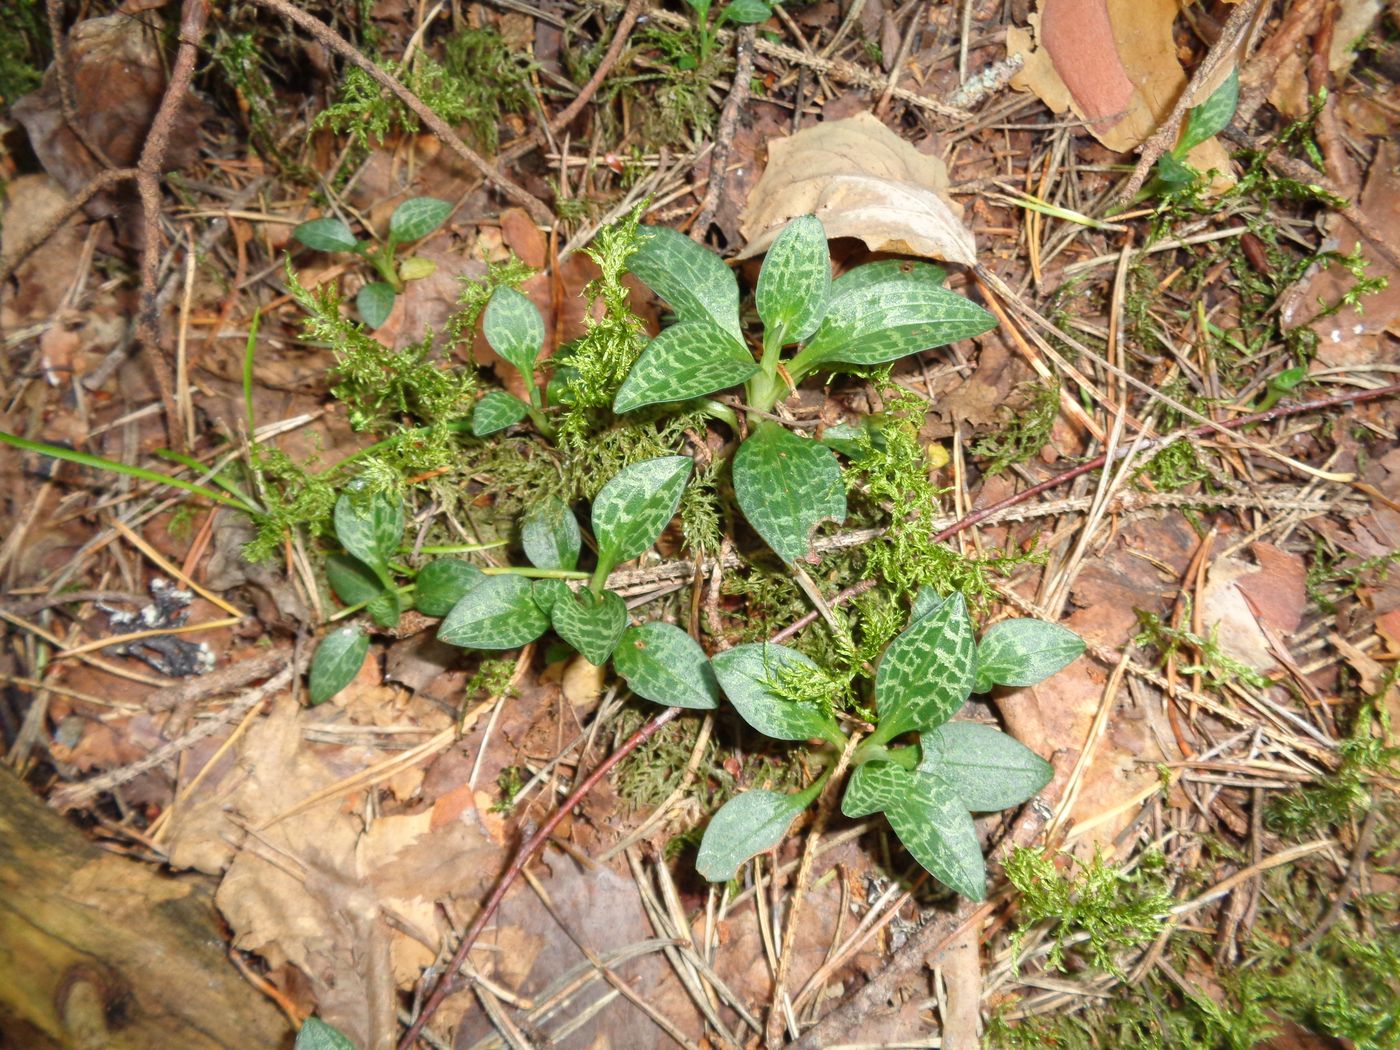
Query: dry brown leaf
x=863, y=181
x=1113, y=63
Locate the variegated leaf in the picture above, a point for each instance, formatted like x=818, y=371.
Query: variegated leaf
x=693, y=279
x=927, y=672
x=873, y=787
x=442, y=583
x=592, y=626
x=794, y=283
x=746, y=825
x=937, y=830
x=785, y=485
x=666, y=666
x=636, y=505
x=1023, y=652
x=337, y=661
x=370, y=527
x=748, y=674
x=687, y=360
x=550, y=535
x=496, y=411
x=514, y=328
x=498, y=613
x=988, y=769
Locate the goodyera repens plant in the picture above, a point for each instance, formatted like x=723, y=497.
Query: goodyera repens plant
x=412, y=220
x=927, y=774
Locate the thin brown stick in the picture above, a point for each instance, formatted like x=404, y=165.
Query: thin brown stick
x=332, y=40
x=65, y=84
x=610, y=57
x=193, y=14
x=1349, y=884
x=724, y=136
x=102, y=181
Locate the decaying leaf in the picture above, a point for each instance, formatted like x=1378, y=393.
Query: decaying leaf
x=864, y=181
x=1113, y=63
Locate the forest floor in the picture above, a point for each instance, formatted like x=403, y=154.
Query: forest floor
x=1213, y=863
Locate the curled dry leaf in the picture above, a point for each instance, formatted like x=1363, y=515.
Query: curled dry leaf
x=864, y=181
x=1113, y=62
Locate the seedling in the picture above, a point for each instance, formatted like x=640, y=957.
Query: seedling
x=740, y=12
x=1173, y=174
x=412, y=220
x=927, y=792
x=875, y=314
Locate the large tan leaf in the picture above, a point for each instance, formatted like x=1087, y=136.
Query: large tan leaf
x=864, y=181
x=1113, y=63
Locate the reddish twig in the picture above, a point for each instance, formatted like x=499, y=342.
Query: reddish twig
x=333, y=41
x=65, y=85
x=148, y=170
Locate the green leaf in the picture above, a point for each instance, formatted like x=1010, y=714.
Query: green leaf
x=514, y=328
x=337, y=661
x=747, y=12
x=370, y=528
x=591, y=625
x=873, y=787
x=746, y=825
x=886, y=271
x=417, y=217
x=665, y=665
x=687, y=360
x=883, y=322
x=547, y=592
x=315, y=1034
x=352, y=580
x=498, y=613
x=385, y=608
x=748, y=674
x=1212, y=116
x=326, y=235
x=925, y=602
x=496, y=411
x=938, y=832
x=442, y=583
x=1171, y=174
x=927, y=672
x=1023, y=652
x=988, y=769
x=693, y=279
x=375, y=302
x=636, y=505
x=785, y=485
x=550, y=535
x=795, y=282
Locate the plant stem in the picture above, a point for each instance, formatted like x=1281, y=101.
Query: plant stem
x=600, y=576
x=535, y=574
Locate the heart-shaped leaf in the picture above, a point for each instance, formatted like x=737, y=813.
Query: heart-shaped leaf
x=751, y=676
x=785, y=485
x=687, y=360
x=352, y=580
x=496, y=411
x=417, y=217
x=548, y=592
x=550, y=535
x=927, y=672
x=326, y=235
x=1023, y=652
x=665, y=665
x=938, y=832
x=747, y=825
x=636, y=505
x=337, y=661
x=873, y=787
x=370, y=527
x=693, y=279
x=988, y=769
x=375, y=302
x=591, y=625
x=883, y=322
x=514, y=328
x=795, y=282
x=498, y=613
x=315, y=1034
x=442, y=583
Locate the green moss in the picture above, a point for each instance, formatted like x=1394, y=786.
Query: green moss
x=1217, y=667
x=25, y=48
x=1025, y=430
